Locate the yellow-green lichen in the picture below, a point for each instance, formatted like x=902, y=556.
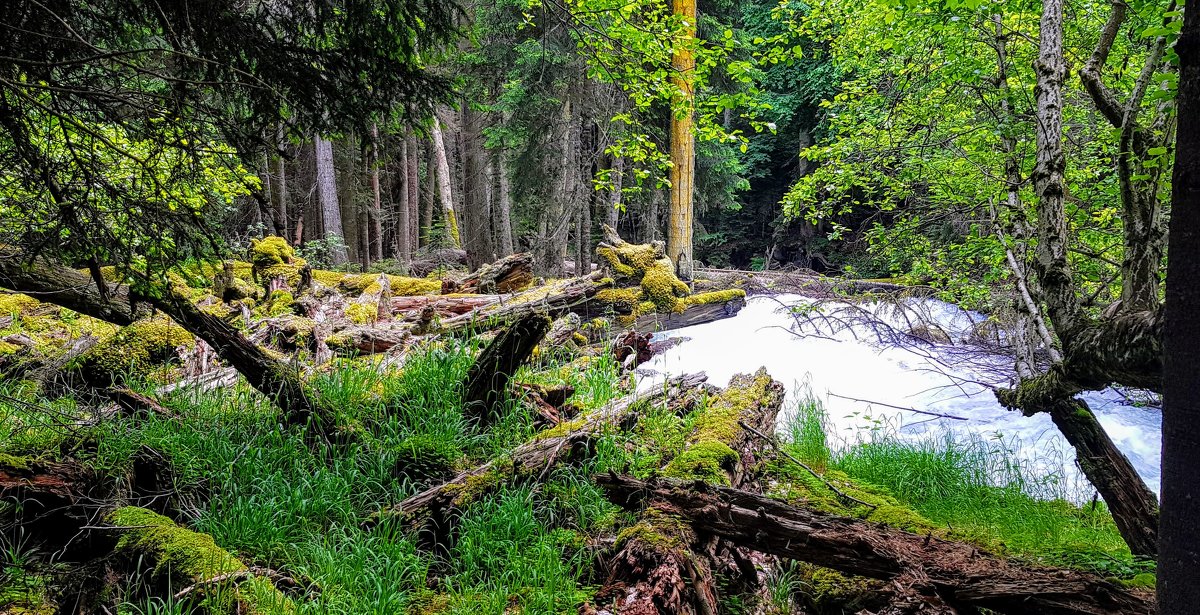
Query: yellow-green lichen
x=134, y=350
x=270, y=251
x=15, y=304
x=362, y=313
x=7, y=348
x=280, y=303
x=709, y=461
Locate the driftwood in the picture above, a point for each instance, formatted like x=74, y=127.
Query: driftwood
x=563, y=330
x=432, y=509
x=631, y=349
x=509, y=274
x=487, y=380
x=808, y=283
x=956, y=575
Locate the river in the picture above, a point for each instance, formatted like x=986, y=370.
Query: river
x=868, y=380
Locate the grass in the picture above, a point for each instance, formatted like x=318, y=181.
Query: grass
x=975, y=488
x=265, y=495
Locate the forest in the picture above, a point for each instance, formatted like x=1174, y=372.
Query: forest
x=871, y=307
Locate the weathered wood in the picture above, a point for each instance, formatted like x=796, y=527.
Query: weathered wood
x=360, y=340
x=509, y=274
x=958, y=574
x=131, y=401
x=630, y=349
x=663, y=566
x=54, y=283
x=438, y=259
x=487, y=380
x=552, y=300
x=60, y=483
x=432, y=508
x=692, y=315
x=443, y=306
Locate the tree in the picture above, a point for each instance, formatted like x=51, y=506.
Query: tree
x=444, y=190
x=1179, y=543
x=683, y=143
x=327, y=197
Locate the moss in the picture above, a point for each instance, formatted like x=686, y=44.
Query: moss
x=362, y=313
x=829, y=591
x=16, y=304
x=13, y=462
x=7, y=348
x=709, y=461
x=716, y=296
x=798, y=486
x=280, y=303
x=656, y=529
x=134, y=350
x=354, y=284
x=178, y=552
x=270, y=251
x=1145, y=580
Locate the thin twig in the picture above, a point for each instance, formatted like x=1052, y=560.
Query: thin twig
x=879, y=403
x=779, y=449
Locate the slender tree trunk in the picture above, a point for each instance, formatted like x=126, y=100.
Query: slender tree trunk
x=612, y=215
x=583, y=237
x=327, y=197
x=431, y=184
x=1179, y=542
x=650, y=233
x=445, y=192
x=413, y=185
x=504, y=232
x=281, y=195
x=376, y=198
x=403, y=223
x=683, y=147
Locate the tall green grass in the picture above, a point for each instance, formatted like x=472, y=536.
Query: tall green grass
x=978, y=489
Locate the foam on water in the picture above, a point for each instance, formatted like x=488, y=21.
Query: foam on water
x=839, y=356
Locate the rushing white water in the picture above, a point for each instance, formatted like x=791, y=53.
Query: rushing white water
x=835, y=354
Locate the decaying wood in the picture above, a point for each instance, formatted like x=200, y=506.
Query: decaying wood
x=693, y=315
x=663, y=567
x=54, y=283
x=808, y=283
x=509, y=274
x=432, y=508
x=487, y=380
x=363, y=339
x=563, y=330
x=131, y=401
x=27, y=479
x=631, y=349
x=443, y=306
x=552, y=300
x=438, y=259
x=958, y=574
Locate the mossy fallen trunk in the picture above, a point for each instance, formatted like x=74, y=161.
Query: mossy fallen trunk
x=648, y=296
x=182, y=561
x=71, y=289
x=943, y=575
x=486, y=383
x=662, y=565
x=432, y=511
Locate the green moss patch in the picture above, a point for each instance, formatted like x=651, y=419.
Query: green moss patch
x=134, y=351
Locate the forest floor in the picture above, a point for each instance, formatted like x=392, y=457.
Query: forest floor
x=312, y=518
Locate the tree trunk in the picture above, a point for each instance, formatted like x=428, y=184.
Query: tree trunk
x=487, y=380
x=376, y=198
x=612, y=214
x=1179, y=542
x=478, y=229
x=54, y=283
x=281, y=195
x=957, y=575
x=583, y=237
x=327, y=197
x=445, y=192
x=1053, y=269
x=504, y=231
x=413, y=185
x=683, y=144
x=403, y=223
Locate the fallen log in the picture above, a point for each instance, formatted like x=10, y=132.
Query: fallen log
x=961, y=575
x=662, y=565
x=487, y=380
x=432, y=509
x=443, y=306
x=53, y=283
x=695, y=314
x=507, y=275
x=133, y=402
x=360, y=340
x=553, y=300
x=437, y=259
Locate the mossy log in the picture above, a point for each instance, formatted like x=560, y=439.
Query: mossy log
x=54, y=283
x=508, y=275
x=662, y=566
x=950, y=574
x=445, y=258
x=487, y=380
x=444, y=306
x=178, y=557
x=432, y=510
x=363, y=340
x=553, y=299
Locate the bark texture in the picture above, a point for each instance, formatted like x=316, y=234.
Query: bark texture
x=683, y=145
x=327, y=198
x=1179, y=550
x=487, y=380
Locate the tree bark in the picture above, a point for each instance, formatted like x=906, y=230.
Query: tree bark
x=403, y=225
x=281, y=187
x=683, y=144
x=487, y=380
x=478, y=231
x=376, y=238
x=1179, y=542
x=327, y=197
x=612, y=215
x=957, y=575
x=445, y=192
x=413, y=185
x=504, y=231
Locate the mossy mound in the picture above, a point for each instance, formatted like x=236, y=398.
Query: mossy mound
x=183, y=557
x=134, y=351
x=32, y=332
x=426, y=458
x=646, y=282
